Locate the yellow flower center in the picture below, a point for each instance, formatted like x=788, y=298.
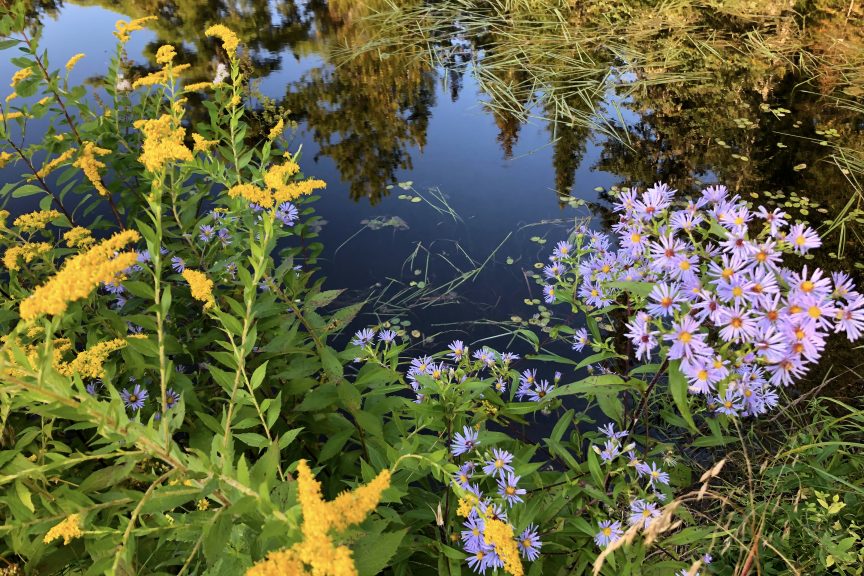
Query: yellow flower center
x=807, y=286
x=737, y=291
x=635, y=238
x=814, y=311
x=736, y=322
x=727, y=273
x=702, y=375
x=685, y=337
x=684, y=265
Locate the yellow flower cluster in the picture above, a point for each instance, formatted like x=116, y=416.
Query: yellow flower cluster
x=5, y=157
x=229, y=39
x=466, y=505
x=13, y=116
x=197, y=86
x=123, y=29
x=162, y=143
x=81, y=275
x=70, y=64
x=90, y=363
x=4, y=214
x=500, y=534
x=276, y=131
x=11, y=96
x=20, y=76
x=68, y=529
x=317, y=550
x=90, y=165
x=50, y=166
x=202, y=144
x=33, y=221
x=78, y=237
x=201, y=286
x=165, y=55
x=27, y=252
x=278, y=190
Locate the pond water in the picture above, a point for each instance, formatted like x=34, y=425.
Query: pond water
x=460, y=141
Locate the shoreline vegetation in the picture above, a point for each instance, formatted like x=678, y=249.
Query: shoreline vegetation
x=181, y=392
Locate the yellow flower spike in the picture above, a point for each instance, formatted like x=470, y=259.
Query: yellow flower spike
x=68, y=529
x=90, y=363
x=162, y=143
x=78, y=237
x=50, y=166
x=11, y=96
x=88, y=163
x=4, y=214
x=500, y=534
x=253, y=194
x=276, y=131
x=123, y=29
x=70, y=64
x=229, y=39
x=202, y=144
x=316, y=553
x=197, y=86
x=34, y=221
x=13, y=115
x=26, y=252
x=165, y=55
x=294, y=190
x=81, y=275
x=20, y=76
x=158, y=77
x=201, y=286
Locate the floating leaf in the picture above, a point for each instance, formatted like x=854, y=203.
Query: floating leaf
x=799, y=167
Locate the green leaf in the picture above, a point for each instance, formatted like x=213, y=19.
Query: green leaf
x=678, y=388
x=374, y=552
x=640, y=289
x=27, y=190
x=330, y=362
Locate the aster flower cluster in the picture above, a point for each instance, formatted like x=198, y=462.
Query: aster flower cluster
x=707, y=290
x=650, y=479
x=494, y=471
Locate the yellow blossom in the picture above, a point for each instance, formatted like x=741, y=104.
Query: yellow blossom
x=201, y=286
x=33, y=221
x=90, y=165
x=78, y=237
x=276, y=131
x=11, y=96
x=203, y=504
x=229, y=39
x=165, y=55
x=13, y=115
x=317, y=550
x=90, y=363
x=500, y=534
x=50, y=166
x=123, y=28
x=21, y=75
x=27, y=252
x=81, y=275
x=253, y=194
x=162, y=142
x=294, y=190
x=158, y=77
x=235, y=101
x=5, y=157
x=198, y=86
x=70, y=64
x=466, y=505
x=68, y=529
x=4, y=214
x=43, y=102
x=202, y=144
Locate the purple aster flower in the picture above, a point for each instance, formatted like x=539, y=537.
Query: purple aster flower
x=540, y=391
x=775, y=220
x=499, y=465
x=486, y=356
x=224, y=237
x=206, y=233
x=641, y=335
x=93, y=387
x=172, y=398
x=653, y=473
x=387, y=336
x=529, y=543
x=549, y=294
x=609, y=532
x=562, y=250
x=509, y=490
x=421, y=365
x=178, y=264
x=463, y=476
x=730, y=404
x=135, y=398
x=580, y=339
x=737, y=324
x=686, y=340
x=474, y=532
x=500, y=386
x=457, y=349
x=609, y=431
x=665, y=299
x=363, y=337
x=464, y=442
x=803, y=238
x=844, y=286
x=642, y=513
x=786, y=371
x=611, y=450
x=508, y=357
x=850, y=318
x=287, y=213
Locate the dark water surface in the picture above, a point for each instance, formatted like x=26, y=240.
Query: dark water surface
x=513, y=125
